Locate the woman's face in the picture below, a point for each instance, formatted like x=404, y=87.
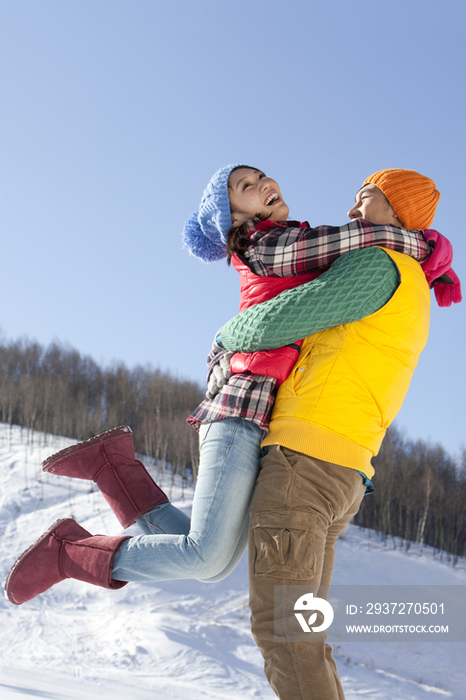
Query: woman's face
x=251, y=193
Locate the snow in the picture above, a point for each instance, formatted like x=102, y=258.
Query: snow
x=182, y=640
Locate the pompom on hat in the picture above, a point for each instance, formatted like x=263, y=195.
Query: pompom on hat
x=413, y=196
x=205, y=232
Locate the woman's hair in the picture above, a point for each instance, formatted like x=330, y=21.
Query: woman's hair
x=239, y=237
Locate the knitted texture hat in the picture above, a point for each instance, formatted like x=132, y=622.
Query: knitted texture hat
x=412, y=196
x=205, y=232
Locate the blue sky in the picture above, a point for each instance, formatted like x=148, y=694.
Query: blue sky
x=115, y=114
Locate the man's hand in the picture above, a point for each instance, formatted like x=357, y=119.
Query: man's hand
x=219, y=369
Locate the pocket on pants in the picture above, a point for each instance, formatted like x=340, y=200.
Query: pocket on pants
x=284, y=544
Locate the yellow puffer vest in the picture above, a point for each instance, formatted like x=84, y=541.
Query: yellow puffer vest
x=349, y=382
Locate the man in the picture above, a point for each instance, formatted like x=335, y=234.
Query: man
x=329, y=419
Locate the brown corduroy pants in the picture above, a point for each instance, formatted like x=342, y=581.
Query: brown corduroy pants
x=299, y=508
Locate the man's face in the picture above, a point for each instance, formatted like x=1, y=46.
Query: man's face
x=251, y=192
x=372, y=205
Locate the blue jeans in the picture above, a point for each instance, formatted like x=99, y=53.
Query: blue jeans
x=208, y=546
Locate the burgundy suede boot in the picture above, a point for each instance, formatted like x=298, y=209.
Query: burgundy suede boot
x=66, y=550
x=110, y=461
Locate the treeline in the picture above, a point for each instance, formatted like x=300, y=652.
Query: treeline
x=57, y=390
x=420, y=490
x=420, y=496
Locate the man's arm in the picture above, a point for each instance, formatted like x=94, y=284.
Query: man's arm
x=286, y=250
x=358, y=284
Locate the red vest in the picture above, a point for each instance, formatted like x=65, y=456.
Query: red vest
x=255, y=289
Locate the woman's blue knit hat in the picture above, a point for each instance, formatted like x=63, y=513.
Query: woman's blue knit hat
x=205, y=232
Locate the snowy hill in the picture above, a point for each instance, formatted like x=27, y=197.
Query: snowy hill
x=180, y=640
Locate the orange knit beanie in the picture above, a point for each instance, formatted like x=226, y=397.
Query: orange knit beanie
x=412, y=196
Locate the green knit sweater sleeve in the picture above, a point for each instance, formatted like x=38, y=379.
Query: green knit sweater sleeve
x=358, y=284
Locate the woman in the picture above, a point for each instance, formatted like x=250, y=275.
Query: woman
x=239, y=211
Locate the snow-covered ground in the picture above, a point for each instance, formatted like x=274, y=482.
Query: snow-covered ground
x=181, y=640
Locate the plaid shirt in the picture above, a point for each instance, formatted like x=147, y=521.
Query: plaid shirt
x=284, y=250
